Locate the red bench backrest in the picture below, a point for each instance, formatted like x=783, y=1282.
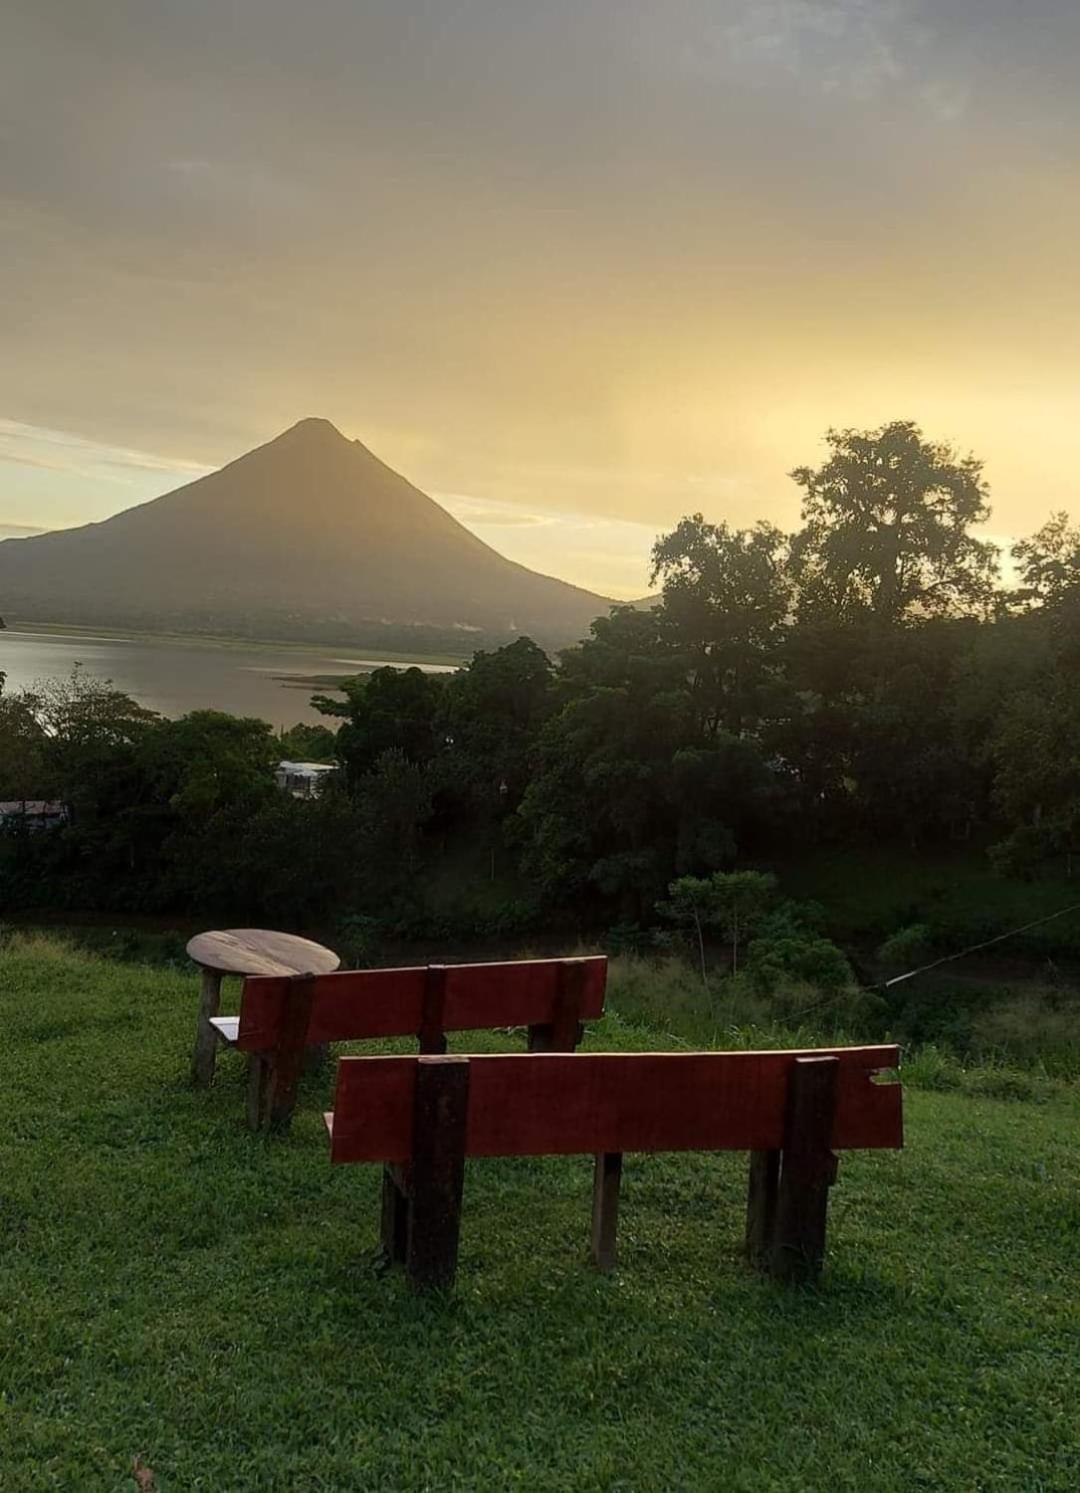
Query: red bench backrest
x=367, y=1003
x=537, y=1104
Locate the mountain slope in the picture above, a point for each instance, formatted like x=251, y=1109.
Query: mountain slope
x=307, y=537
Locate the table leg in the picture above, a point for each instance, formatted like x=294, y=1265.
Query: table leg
x=206, y=1038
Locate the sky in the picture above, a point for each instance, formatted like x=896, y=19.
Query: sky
x=575, y=267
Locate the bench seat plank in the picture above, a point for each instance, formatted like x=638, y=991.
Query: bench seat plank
x=566, y=1104
x=370, y=1003
x=226, y=1027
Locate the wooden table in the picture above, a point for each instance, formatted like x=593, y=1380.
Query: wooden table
x=245, y=951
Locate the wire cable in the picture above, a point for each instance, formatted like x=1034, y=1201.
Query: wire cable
x=975, y=947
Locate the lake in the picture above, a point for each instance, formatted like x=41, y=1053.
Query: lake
x=174, y=677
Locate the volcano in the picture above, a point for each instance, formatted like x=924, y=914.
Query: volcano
x=307, y=538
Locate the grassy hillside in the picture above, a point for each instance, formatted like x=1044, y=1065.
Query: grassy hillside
x=173, y=1290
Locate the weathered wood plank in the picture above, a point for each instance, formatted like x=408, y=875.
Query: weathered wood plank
x=436, y=1170
x=260, y=951
x=569, y=1104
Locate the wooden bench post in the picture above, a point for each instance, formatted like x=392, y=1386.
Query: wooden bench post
x=564, y=1031
x=393, y=1230
x=437, y=1170
x=605, y=1211
x=761, y=1203
x=206, y=1038
x=807, y=1171
x=432, y=1034
x=260, y=1076
x=288, y=1058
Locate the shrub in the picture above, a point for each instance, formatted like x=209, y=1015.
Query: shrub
x=360, y=937
x=906, y=947
x=930, y=1068
x=815, y=961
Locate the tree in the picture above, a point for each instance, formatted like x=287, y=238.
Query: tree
x=726, y=600
x=22, y=747
x=394, y=803
x=733, y=901
x=491, y=712
x=308, y=743
x=1035, y=750
x=1049, y=562
x=89, y=732
x=387, y=710
x=887, y=529
x=597, y=814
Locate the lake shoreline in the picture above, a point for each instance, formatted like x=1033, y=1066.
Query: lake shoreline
x=174, y=674
x=20, y=626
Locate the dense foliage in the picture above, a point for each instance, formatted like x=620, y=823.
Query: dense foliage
x=863, y=681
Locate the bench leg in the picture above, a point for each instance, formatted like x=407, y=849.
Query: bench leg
x=206, y=1038
x=761, y=1203
x=605, y=1209
x=260, y=1074
x=395, y=1214
x=437, y=1171
x=317, y=1058
x=290, y=1054
x=541, y=1038
x=565, y=1029
x=807, y=1171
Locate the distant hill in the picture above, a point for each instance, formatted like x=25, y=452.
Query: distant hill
x=310, y=537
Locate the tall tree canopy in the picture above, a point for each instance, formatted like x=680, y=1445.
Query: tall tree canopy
x=887, y=526
x=1049, y=562
x=726, y=598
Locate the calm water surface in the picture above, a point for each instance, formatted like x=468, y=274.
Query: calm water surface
x=175, y=677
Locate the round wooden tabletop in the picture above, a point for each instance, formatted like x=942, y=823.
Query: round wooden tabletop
x=259, y=951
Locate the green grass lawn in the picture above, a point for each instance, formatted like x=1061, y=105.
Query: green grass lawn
x=173, y=1289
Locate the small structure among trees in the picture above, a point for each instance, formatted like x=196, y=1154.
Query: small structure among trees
x=303, y=779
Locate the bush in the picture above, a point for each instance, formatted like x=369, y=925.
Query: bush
x=632, y=938
x=360, y=938
x=930, y=1068
x=815, y=961
x=906, y=948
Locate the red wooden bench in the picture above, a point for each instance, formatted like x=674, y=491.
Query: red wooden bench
x=280, y=1017
x=791, y=1110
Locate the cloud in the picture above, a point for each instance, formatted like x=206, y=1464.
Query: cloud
x=478, y=514
x=60, y=451
x=610, y=262
x=18, y=531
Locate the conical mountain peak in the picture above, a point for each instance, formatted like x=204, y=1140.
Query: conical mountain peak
x=308, y=536
x=313, y=428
